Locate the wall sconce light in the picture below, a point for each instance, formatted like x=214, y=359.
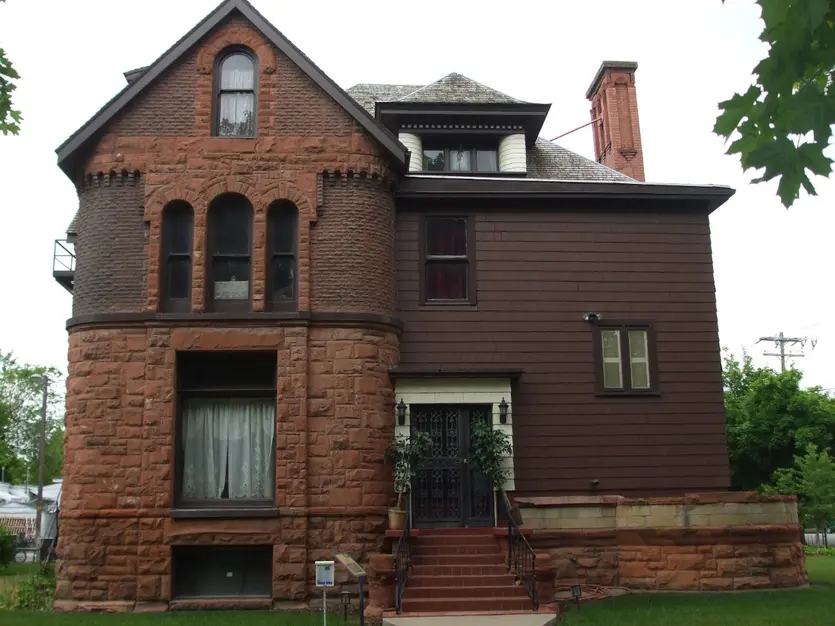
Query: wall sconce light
x=503, y=411
x=401, y=413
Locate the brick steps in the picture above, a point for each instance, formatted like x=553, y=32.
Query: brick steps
x=442, y=605
x=416, y=581
x=461, y=571
x=500, y=591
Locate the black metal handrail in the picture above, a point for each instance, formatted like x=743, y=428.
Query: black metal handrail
x=402, y=562
x=521, y=558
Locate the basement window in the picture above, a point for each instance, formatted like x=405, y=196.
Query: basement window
x=222, y=572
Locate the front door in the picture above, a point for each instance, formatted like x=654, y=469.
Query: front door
x=447, y=493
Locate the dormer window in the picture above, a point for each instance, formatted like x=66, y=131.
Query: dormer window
x=445, y=155
x=235, y=101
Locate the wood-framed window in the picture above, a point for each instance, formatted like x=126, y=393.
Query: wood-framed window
x=468, y=154
x=236, y=80
x=282, y=250
x=625, y=358
x=230, y=253
x=225, y=436
x=177, y=238
x=448, y=260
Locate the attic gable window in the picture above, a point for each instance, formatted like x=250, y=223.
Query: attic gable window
x=235, y=95
x=460, y=156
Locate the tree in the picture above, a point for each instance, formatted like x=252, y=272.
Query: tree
x=770, y=419
x=9, y=117
x=783, y=122
x=21, y=394
x=812, y=480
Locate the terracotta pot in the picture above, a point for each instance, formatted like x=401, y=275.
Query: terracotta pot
x=397, y=519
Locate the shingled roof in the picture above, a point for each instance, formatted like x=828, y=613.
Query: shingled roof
x=545, y=159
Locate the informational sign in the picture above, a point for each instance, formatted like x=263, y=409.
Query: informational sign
x=231, y=290
x=325, y=573
x=351, y=565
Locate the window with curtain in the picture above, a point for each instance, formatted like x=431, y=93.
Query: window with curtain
x=445, y=155
x=177, y=237
x=447, y=260
x=625, y=358
x=282, y=235
x=230, y=243
x=226, y=428
x=235, y=84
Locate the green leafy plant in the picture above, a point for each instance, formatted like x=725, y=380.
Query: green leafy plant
x=9, y=117
x=408, y=455
x=819, y=551
x=812, y=480
x=784, y=120
x=488, y=448
x=36, y=593
x=7, y=547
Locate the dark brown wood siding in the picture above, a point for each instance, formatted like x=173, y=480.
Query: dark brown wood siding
x=537, y=272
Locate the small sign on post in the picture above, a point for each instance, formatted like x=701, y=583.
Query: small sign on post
x=325, y=579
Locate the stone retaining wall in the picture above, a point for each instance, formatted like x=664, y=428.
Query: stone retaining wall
x=697, y=542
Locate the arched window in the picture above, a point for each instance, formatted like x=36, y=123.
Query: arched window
x=282, y=234
x=177, y=236
x=235, y=101
x=230, y=249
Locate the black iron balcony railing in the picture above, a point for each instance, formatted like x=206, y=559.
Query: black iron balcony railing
x=63, y=264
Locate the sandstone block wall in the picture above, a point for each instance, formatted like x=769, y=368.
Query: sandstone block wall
x=334, y=416
x=699, y=542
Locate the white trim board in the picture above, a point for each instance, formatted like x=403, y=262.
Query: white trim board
x=459, y=391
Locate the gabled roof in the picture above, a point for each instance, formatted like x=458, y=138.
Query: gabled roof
x=99, y=121
x=458, y=89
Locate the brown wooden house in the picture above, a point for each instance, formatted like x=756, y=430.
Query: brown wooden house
x=273, y=276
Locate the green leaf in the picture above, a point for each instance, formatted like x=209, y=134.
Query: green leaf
x=734, y=110
x=812, y=158
x=816, y=11
x=774, y=12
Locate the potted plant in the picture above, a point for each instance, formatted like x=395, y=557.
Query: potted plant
x=488, y=449
x=408, y=455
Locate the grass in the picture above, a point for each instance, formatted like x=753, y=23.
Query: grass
x=218, y=618
x=15, y=572
x=808, y=607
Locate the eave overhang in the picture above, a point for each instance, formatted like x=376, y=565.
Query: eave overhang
x=527, y=117
x=421, y=186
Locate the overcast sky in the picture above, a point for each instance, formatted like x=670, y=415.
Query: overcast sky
x=774, y=268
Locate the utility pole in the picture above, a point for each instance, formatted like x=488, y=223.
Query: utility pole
x=780, y=342
x=41, y=459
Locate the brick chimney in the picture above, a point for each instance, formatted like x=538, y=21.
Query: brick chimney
x=617, y=134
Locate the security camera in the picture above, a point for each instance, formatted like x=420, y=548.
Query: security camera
x=592, y=317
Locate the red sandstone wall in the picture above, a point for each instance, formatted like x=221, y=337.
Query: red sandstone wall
x=334, y=422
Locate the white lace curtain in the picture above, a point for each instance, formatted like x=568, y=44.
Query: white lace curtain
x=237, y=109
x=228, y=448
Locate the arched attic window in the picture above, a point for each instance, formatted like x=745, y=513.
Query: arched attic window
x=282, y=234
x=235, y=94
x=177, y=237
x=230, y=250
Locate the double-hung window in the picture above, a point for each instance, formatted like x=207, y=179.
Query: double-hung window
x=447, y=263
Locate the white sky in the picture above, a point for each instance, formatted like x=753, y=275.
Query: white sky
x=774, y=268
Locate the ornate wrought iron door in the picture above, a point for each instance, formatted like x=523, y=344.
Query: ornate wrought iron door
x=447, y=492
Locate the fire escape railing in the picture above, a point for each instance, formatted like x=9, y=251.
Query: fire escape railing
x=63, y=264
x=402, y=562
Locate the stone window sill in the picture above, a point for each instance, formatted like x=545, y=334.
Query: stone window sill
x=223, y=512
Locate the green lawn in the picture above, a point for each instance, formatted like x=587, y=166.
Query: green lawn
x=219, y=618
x=808, y=607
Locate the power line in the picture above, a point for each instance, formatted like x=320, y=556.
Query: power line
x=780, y=342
